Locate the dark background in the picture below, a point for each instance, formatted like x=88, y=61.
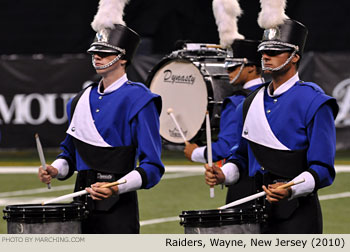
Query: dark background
x=43, y=47
x=63, y=26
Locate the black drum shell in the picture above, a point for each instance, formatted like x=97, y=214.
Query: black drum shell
x=232, y=220
x=47, y=219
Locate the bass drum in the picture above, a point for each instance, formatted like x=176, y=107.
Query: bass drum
x=190, y=82
x=44, y=219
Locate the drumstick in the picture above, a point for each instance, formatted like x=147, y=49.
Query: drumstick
x=79, y=193
x=214, y=46
x=170, y=112
x=209, y=151
x=260, y=194
x=41, y=155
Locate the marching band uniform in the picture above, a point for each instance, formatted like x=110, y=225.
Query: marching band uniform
x=244, y=52
x=109, y=131
x=287, y=135
x=221, y=148
x=245, y=186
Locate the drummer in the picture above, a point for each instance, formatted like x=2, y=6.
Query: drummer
x=244, y=70
x=112, y=124
x=287, y=133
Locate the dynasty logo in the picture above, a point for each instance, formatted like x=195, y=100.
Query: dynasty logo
x=178, y=78
x=176, y=133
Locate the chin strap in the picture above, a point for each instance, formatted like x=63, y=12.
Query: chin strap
x=237, y=76
x=244, y=61
x=278, y=43
x=108, y=64
x=279, y=67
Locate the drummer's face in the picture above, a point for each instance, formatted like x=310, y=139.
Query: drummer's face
x=102, y=59
x=275, y=59
x=234, y=71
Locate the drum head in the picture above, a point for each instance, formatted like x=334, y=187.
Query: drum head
x=183, y=89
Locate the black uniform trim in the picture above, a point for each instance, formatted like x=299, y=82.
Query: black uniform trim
x=143, y=177
x=315, y=175
x=316, y=178
x=239, y=90
x=205, y=154
x=284, y=163
x=118, y=160
x=71, y=168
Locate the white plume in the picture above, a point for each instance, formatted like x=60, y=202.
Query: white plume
x=110, y=12
x=226, y=13
x=272, y=13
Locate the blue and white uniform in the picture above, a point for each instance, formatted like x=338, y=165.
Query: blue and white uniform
x=227, y=135
x=105, y=128
x=288, y=135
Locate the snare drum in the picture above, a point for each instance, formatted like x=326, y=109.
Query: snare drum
x=190, y=81
x=47, y=219
x=226, y=221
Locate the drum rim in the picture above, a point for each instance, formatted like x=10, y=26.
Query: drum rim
x=222, y=217
x=36, y=213
x=165, y=59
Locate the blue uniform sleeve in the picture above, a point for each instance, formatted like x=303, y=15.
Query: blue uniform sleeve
x=228, y=130
x=145, y=127
x=321, y=151
x=239, y=151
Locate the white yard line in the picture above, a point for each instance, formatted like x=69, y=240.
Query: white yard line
x=159, y=220
x=23, y=200
x=334, y=196
x=36, y=190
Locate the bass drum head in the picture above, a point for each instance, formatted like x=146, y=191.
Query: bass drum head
x=183, y=89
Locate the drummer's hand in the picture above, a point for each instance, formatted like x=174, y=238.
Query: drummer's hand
x=213, y=175
x=45, y=176
x=189, y=148
x=99, y=193
x=274, y=195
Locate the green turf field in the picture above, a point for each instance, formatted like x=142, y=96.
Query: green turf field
x=174, y=195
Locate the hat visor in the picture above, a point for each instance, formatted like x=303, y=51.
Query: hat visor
x=102, y=49
x=274, y=47
x=232, y=64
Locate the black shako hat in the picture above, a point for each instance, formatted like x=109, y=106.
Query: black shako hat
x=287, y=36
x=244, y=51
x=121, y=39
